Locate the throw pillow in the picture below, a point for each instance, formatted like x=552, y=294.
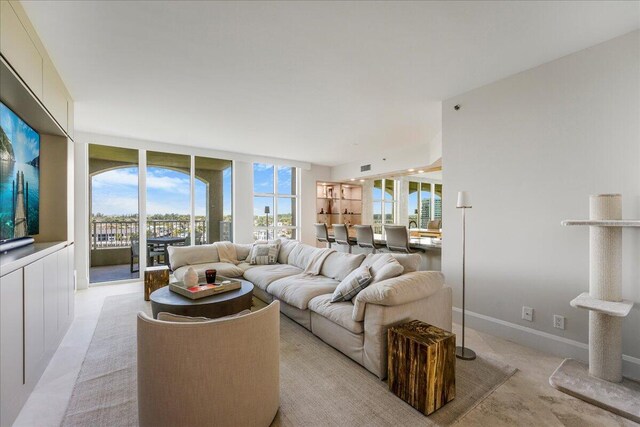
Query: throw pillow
x=264, y=253
x=170, y=317
x=355, y=281
x=383, y=266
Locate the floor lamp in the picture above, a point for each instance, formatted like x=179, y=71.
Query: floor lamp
x=464, y=203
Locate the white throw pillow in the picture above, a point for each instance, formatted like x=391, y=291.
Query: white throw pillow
x=264, y=253
x=383, y=267
x=355, y=281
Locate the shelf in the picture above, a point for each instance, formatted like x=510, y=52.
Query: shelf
x=617, y=309
x=603, y=222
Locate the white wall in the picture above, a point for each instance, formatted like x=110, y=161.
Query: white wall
x=531, y=148
x=242, y=185
x=308, y=200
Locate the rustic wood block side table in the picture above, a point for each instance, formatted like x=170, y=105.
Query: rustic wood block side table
x=155, y=278
x=422, y=365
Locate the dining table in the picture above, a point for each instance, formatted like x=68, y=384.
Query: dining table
x=164, y=242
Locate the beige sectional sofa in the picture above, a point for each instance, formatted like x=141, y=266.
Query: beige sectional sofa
x=357, y=328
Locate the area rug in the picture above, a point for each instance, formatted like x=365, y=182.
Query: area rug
x=318, y=385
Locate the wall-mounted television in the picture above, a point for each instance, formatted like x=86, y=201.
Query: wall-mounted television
x=19, y=177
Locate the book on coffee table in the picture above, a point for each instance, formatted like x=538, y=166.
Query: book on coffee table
x=202, y=290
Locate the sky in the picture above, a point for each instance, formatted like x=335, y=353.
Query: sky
x=263, y=182
x=24, y=140
x=115, y=192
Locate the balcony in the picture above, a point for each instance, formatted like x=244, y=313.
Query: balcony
x=112, y=242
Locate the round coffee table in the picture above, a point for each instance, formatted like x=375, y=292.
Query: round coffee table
x=224, y=304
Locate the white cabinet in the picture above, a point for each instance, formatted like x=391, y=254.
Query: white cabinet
x=12, y=389
x=51, y=302
x=34, y=349
x=54, y=94
x=16, y=45
x=36, y=309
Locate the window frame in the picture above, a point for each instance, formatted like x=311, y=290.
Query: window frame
x=432, y=200
x=383, y=202
x=273, y=229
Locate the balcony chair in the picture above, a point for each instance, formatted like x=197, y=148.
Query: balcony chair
x=341, y=235
x=365, y=238
x=397, y=237
x=322, y=234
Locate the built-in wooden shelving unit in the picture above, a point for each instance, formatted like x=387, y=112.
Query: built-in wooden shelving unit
x=338, y=203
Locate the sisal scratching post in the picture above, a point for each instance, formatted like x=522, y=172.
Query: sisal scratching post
x=605, y=284
x=602, y=383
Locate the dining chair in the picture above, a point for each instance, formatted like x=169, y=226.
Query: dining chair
x=322, y=234
x=397, y=238
x=434, y=225
x=135, y=255
x=341, y=235
x=365, y=238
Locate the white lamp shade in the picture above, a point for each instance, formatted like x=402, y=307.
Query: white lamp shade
x=464, y=200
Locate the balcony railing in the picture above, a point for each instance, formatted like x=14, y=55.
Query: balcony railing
x=119, y=234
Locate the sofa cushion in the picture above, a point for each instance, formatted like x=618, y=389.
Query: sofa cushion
x=246, y=266
x=339, y=313
x=191, y=255
x=242, y=250
x=382, y=267
x=339, y=265
x=398, y=290
x=263, y=275
x=356, y=281
x=410, y=262
x=302, y=255
x=224, y=269
x=286, y=246
x=298, y=290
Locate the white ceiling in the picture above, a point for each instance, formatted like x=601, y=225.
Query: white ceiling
x=319, y=82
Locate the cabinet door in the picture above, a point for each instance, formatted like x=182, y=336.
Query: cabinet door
x=72, y=282
x=54, y=94
x=34, y=321
x=50, y=303
x=18, y=48
x=12, y=390
x=63, y=291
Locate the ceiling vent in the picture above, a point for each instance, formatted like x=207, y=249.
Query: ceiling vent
x=365, y=168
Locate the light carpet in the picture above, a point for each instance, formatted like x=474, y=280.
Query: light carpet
x=318, y=385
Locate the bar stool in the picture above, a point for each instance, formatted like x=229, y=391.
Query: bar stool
x=341, y=235
x=322, y=234
x=397, y=239
x=365, y=239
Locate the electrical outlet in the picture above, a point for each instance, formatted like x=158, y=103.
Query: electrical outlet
x=527, y=313
x=558, y=321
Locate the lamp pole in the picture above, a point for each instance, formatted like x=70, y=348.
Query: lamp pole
x=463, y=203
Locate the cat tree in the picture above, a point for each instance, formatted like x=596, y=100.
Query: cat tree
x=602, y=383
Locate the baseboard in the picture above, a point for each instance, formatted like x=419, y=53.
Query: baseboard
x=543, y=341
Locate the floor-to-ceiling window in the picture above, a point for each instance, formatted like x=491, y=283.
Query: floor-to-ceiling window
x=114, y=221
x=188, y=202
x=213, y=200
x=425, y=203
x=275, y=201
x=384, y=203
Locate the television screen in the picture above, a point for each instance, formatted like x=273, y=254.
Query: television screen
x=19, y=177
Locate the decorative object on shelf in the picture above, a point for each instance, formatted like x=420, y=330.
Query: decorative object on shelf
x=601, y=383
x=155, y=278
x=190, y=277
x=464, y=203
x=330, y=192
x=346, y=212
x=321, y=211
x=422, y=365
x=267, y=211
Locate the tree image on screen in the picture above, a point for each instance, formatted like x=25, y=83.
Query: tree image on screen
x=19, y=177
